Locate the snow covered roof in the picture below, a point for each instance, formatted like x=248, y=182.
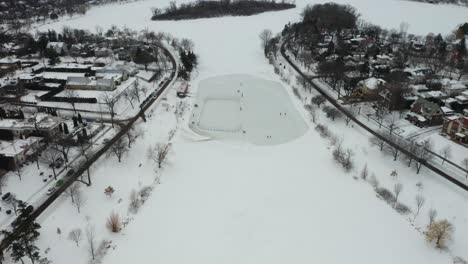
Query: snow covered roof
x=373, y=83
x=44, y=121
x=433, y=94
x=9, y=60
x=451, y=118
x=446, y=110
x=17, y=146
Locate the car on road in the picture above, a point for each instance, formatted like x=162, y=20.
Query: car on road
x=51, y=191
x=70, y=173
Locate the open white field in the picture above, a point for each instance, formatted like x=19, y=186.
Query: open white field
x=241, y=203
x=246, y=108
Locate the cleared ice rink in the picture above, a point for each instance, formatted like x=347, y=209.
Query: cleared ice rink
x=246, y=108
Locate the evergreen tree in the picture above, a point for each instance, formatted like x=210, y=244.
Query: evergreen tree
x=80, y=119
x=85, y=134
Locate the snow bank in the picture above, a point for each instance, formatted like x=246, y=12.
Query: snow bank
x=244, y=107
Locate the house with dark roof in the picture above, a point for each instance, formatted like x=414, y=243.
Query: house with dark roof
x=425, y=113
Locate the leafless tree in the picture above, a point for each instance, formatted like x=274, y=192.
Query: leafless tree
x=419, y=204
x=378, y=142
x=350, y=115
x=446, y=153
x=364, y=172
x=265, y=36
x=18, y=171
x=439, y=232
x=50, y=156
x=128, y=96
x=397, y=188
x=187, y=44
x=423, y=152
x=331, y=112
x=135, y=201
x=75, y=236
x=91, y=239
x=373, y=181
x=432, y=214
x=465, y=164
x=411, y=146
x=71, y=95
x=110, y=101
x=391, y=121
x=158, y=154
x=80, y=200
x=394, y=149
x=72, y=191
x=136, y=89
x=132, y=134
x=119, y=148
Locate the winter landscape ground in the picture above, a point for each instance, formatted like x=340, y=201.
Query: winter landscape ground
x=248, y=202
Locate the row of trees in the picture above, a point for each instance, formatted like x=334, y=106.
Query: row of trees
x=204, y=9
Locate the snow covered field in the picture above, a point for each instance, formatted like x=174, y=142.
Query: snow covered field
x=246, y=108
x=242, y=203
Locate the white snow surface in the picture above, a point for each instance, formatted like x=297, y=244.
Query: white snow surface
x=246, y=108
x=242, y=203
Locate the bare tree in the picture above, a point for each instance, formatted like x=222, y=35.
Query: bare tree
x=394, y=149
x=331, y=112
x=135, y=91
x=50, y=156
x=128, y=96
x=378, y=142
x=364, y=172
x=91, y=239
x=411, y=146
x=373, y=181
x=446, y=153
x=423, y=152
x=432, y=214
x=135, y=201
x=80, y=200
x=439, y=232
x=119, y=148
x=71, y=95
x=75, y=236
x=419, y=204
x=265, y=36
x=110, y=101
x=72, y=191
x=397, y=188
x=158, y=153
x=132, y=134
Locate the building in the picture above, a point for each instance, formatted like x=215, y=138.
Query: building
x=59, y=47
x=369, y=85
x=452, y=87
x=456, y=128
x=106, y=82
x=15, y=153
x=44, y=126
x=425, y=113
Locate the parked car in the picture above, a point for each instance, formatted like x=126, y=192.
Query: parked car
x=7, y=197
x=51, y=191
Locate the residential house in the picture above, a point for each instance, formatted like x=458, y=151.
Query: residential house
x=456, y=127
x=368, y=86
x=44, y=126
x=14, y=153
x=425, y=113
x=59, y=47
x=452, y=87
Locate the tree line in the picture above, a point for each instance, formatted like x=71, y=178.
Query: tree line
x=206, y=9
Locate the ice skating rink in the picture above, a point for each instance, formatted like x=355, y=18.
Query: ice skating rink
x=246, y=108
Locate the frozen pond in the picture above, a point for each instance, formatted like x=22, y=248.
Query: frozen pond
x=246, y=108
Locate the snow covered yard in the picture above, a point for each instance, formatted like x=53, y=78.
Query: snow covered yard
x=229, y=203
x=246, y=108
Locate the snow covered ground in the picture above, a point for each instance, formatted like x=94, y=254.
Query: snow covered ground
x=246, y=108
x=239, y=203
